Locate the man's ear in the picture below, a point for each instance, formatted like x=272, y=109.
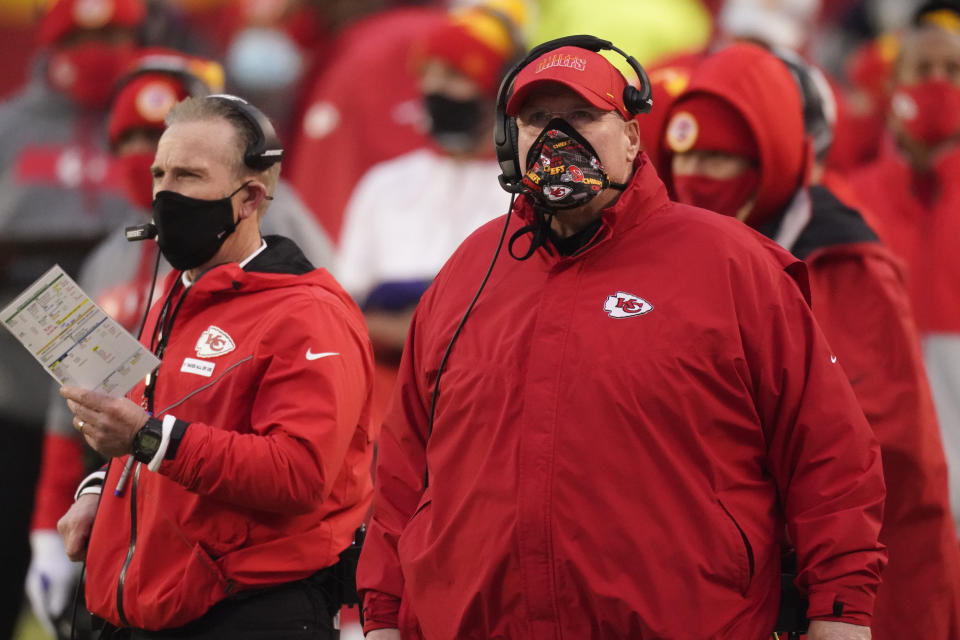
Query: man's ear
x=251, y=198
x=634, y=144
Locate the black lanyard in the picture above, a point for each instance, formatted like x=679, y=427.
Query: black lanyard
x=160, y=338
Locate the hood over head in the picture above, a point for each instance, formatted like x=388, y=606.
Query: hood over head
x=759, y=87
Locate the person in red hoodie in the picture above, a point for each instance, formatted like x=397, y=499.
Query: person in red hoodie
x=240, y=468
x=637, y=408
x=735, y=142
x=913, y=190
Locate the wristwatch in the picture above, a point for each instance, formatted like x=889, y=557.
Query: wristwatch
x=147, y=441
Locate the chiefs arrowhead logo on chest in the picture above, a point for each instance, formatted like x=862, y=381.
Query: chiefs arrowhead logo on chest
x=214, y=342
x=626, y=305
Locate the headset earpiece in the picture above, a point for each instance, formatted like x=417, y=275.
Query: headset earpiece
x=265, y=151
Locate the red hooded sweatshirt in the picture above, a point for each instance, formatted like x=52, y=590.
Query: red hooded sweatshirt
x=861, y=302
x=272, y=369
x=620, y=437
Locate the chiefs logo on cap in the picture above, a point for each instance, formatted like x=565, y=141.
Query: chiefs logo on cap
x=155, y=100
x=92, y=14
x=682, y=132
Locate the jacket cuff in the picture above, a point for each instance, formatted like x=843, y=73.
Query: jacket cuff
x=380, y=611
x=848, y=606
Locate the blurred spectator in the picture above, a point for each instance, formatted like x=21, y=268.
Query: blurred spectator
x=58, y=198
x=735, y=143
x=363, y=108
x=408, y=214
x=868, y=72
x=914, y=191
x=270, y=52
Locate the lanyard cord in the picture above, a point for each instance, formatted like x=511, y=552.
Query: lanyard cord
x=159, y=340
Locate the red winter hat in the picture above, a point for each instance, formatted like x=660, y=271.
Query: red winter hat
x=144, y=103
x=477, y=41
x=158, y=80
x=707, y=122
x=586, y=72
x=68, y=16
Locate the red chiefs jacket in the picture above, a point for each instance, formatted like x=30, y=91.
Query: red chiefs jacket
x=272, y=370
x=860, y=300
x=620, y=437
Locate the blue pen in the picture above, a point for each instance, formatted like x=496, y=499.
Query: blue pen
x=123, y=476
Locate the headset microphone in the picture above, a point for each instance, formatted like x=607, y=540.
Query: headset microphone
x=139, y=232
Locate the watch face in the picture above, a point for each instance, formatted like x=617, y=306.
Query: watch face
x=148, y=442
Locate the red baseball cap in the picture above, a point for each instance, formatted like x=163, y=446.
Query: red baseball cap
x=584, y=71
x=68, y=16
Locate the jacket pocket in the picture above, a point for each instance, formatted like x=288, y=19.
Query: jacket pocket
x=413, y=535
x=742, y=550
x=193, y=584
x=410, y=549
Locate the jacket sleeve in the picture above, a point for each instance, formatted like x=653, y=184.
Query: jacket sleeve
x=304, y=416
x=401, y=464
x=861, y=303
x=820, y=450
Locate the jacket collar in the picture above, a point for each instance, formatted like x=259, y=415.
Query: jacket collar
x=645, y=193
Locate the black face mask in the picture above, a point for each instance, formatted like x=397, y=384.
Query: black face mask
x=190, y=231
x=454, y=124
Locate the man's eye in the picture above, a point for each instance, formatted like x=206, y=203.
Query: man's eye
x=536, y=118
x=581, y=117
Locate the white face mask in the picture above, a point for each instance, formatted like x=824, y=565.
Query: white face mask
x=263, y=59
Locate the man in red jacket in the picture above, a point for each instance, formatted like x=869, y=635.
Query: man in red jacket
x=735, y=142
x=637, y=408
x=249, y=448
x=914, y=192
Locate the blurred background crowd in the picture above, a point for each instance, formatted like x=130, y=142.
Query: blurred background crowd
x=385, y=109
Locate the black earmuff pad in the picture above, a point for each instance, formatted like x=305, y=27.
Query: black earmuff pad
x=634, y=102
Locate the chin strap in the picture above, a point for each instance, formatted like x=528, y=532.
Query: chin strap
x=542, y=218
x=540, y=227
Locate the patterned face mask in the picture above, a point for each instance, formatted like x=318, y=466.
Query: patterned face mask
x=563, y=170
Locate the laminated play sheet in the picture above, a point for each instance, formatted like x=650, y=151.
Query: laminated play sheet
x=74, y=339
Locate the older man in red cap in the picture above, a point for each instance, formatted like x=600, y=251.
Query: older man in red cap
x=637, y=408
x=735, y=143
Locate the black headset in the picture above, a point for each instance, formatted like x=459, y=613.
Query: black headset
x=265, y=150
x=637, y=100
x=819, y=105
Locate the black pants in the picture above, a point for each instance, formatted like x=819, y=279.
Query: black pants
x=298, y=610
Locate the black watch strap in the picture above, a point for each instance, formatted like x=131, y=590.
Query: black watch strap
x=147, y=440
x=176, y=435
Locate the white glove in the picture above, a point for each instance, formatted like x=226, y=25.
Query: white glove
x=51, y=578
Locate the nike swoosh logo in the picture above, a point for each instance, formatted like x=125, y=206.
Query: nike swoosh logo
x=316, y=356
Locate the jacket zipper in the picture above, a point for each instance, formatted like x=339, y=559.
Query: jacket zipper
x=130, y=549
